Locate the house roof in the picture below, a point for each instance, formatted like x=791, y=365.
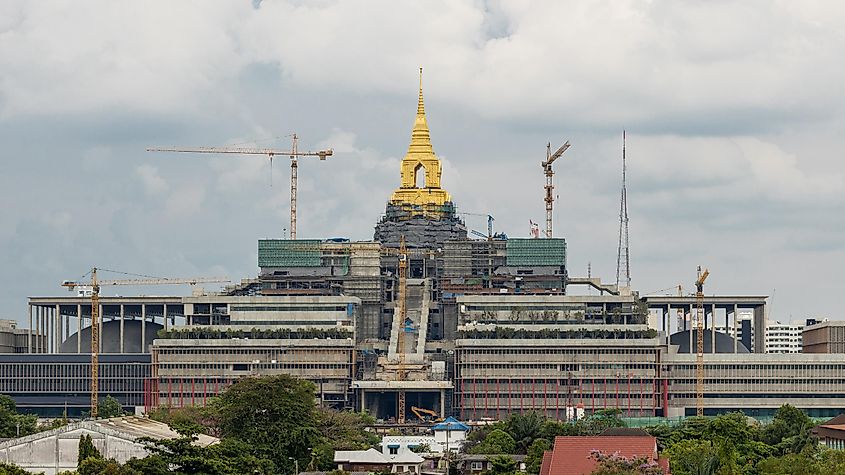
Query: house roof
x=571, y=454
x=127, y=428
x=547, y=462
x=450, y=423
x=370, y=456
x=406, y=457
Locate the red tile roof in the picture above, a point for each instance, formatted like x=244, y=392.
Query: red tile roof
x=547, y=463
x=571, y=455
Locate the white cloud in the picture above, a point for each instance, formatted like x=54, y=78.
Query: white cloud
x=154, y=184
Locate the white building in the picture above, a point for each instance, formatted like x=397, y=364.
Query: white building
x=447, y=435
x=783, y=337
x=56, y=450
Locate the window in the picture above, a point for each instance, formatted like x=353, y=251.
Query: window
x=394, y=450
x=475, y=466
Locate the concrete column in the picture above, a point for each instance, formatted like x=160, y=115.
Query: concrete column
x=78, y=328
x=29, y=330
x=759, y=329
x=143, y=326
x=692, y=348
x=122, y=317
x=668, y=320
x=443, y=404
x=165, y=317
x=713, y=328
x=57, y=321
x=736, y=336
x=67, y=327
x=37, y=329
x=101, y=320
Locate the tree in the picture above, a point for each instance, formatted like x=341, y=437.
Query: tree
x=599, y=421
x=497, y=442
x=275, y=416
x=693, y=457
x=502, y=465
x=109, y=407
x=524, y=428
x=86, y=450
x=534, y=458
x=789, y=431
x=616, y=464
x=13, y=424
x=10, y=469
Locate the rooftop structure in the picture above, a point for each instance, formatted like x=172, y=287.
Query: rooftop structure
x=56, y=450
x=574, y=455
x=824, y=337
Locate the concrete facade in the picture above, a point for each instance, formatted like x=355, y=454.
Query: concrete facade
x=824, y=337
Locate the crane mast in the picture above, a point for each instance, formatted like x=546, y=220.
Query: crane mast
x=95, y=343
x=699, y=358
x=95, y=285
x=547, y=169
x=294, y=153
x=401, y=314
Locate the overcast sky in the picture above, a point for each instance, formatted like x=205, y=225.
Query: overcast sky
x=734, y=111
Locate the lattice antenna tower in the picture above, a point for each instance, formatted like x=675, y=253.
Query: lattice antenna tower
x=623, y=261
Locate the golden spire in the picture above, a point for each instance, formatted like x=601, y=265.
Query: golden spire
x=420, y=136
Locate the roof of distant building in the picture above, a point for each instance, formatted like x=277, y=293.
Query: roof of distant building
x=450, y=424
x=571, y=455
x=370, y=456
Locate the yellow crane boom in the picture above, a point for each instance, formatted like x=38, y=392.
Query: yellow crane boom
x=400, y=344
x=547, y=170
x=95, y=315
x=699, y=358
x=293, y=153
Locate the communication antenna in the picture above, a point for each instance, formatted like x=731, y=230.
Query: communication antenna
x=623, y=261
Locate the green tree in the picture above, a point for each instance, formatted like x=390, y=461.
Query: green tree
x=616, y=464
x=693, y=457
x=502, y=465
x=13, y=424
x=11, y=469
x=188, y=420
x=599, y=421
x=86, y=450
x=789, y=431
x=109, y=407
x=275, y=416
x=497, y=442
x=534, y=458
x=524, y=428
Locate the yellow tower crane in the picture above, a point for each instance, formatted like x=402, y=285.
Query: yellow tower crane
x=293, y=153
x=401, y=314
x=94, y=285
x=699, y=359
x=547, y=169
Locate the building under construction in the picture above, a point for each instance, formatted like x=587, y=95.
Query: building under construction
x=423, y=317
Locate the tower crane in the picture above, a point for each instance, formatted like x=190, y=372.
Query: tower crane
x=94, y=285
x=293, y=153
x=401, y=315
x=699, y=359
x=547, y=169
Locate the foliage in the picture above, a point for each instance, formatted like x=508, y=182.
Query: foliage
x=208, y=333
x=615, y=464
x=599, y=421
x=13, y=424
x=524, y=428
x=789, y=430
x=502, y=465
x=109, y=407
x=693, y=457
x=556, y=333
x=275, y=416
x=496, y=442
x=421, y=449
x=86, y=450
x=534, y=458
x=11, y=469
x=188, y=420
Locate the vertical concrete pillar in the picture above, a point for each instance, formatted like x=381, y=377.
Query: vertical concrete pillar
x=736, y=331
x=122, y=319
x=143, y=327
x=29, y=330
x=443, y=404
x=759, y=329
x=79, y=328
x=667, y=323
x=37, y=329
x=57, y=321
x=165, y=317
x=100, y=320
x=691, y=330
x=713, y=328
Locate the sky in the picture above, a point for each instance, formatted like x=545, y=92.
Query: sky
x=734, y=112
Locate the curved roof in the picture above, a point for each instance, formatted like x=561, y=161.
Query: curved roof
x=724, y=342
